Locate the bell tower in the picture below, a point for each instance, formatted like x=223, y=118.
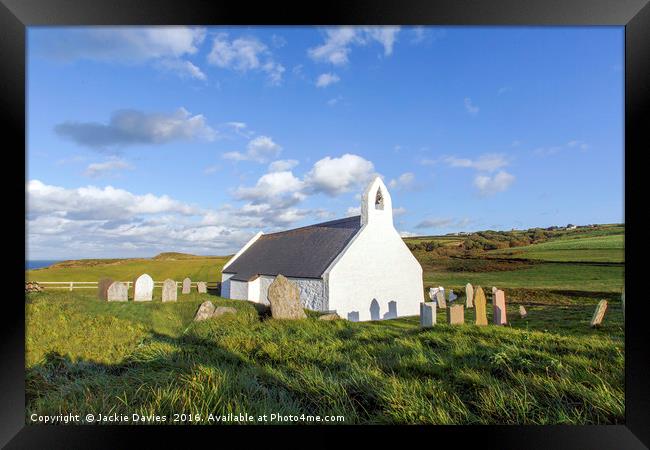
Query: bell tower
x=376, y=204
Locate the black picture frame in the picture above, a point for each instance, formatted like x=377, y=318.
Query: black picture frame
x=634, y=15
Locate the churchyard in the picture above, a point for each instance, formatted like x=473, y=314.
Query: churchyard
x=545, y=365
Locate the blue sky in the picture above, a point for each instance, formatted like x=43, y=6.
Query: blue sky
x=142, y=140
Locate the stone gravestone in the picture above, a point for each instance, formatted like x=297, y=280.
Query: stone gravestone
x=440, y=298
x=284, y=297
x=427, y=314
x=330, y=316
x=143, y=288
x=480, y=307
x=469, y=292
x=456, y=314
x=499, y=308
x=202, y=287
x=205, y=311
x=169, y=291
x=187, y=285
x=522, y=312
x=599, y=314
x=102, y=288
x=452, y=296
x=117, y=292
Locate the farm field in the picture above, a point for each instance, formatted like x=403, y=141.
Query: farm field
x=609, y=248
x=86, y=356
x=199, y=268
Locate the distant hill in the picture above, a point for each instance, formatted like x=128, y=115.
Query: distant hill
x=178, y=255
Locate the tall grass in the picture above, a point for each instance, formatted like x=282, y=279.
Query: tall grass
x=85, y=356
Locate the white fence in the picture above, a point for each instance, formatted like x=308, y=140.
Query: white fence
x=70, y=285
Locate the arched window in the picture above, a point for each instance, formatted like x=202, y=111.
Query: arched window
x=379, y=200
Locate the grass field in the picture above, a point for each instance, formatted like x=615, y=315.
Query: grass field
x=608, y=248
x=86, y=356
x=199, y=269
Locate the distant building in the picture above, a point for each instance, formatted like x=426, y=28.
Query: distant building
x=571, y=227
x=359, y=267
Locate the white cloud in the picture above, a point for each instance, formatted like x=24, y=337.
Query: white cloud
x=470, y=107
x=334, y=101
x=334, y=176
x=211, y=169
x=93, y=203
x=109, y=222
x=503, y=90
x=421, y=34
x=353, y=211
x=282, y=165
x=488, y=162
x=444, y=222
x=325, y=79
x=184, y=69
x=406, y=234
x=126, y=44
x=404, y=181
x=95, y=170
x=573, y=144
x=485, y=165
x=339, y=41
x=164, y=46
x=238, y=128
x=259, y=149
x=489, y=185
x=271, y=186
x=244, y=54
x=132, y=127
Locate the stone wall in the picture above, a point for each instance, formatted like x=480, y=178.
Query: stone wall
x=312, y=291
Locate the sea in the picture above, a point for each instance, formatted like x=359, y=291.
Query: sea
x=38, y=264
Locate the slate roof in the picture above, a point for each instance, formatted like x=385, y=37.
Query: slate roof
x=302, y=252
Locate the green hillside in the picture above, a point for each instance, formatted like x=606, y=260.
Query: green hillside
x=200, y=268
x=607, y=248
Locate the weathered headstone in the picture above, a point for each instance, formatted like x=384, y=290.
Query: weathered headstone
x=469, y=292
x=187, y=284
x=499, y=308
x=117, y=292
x=32, y=286
x=221, y=310
x=427, y=314
x=331, y=316
x=102, y=288
x=202, y=287
x=599, y=314
x=205, y=311
x=433, y=292
x=456, y=314
x=522, y=312
x=169, y=291
x=452, y=296
x=480, y=306
x=440, y=298
x=494, y=290
x=284, y=297
x=143, y=288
